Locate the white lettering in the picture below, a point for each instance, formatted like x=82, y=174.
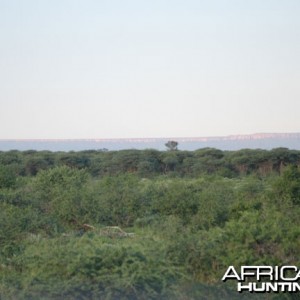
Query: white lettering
x=244, y=272
x=285, y=284
x=246, y=287
x=268, y=272
x=271, y=286
x=227, y=274
x=296, y=287
x=276, y=279
x=282, y=271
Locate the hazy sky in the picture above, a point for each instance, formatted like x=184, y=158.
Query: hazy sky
x=135, y=68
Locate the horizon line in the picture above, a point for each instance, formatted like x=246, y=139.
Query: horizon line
x=258, y=135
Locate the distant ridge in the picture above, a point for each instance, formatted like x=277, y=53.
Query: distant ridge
x=229, y=142
x=253, y=136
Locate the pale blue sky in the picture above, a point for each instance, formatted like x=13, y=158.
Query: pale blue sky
x=134, y=68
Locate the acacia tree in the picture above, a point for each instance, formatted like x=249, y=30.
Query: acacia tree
x=172, y=145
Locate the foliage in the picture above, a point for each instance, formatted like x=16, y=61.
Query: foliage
x=192, y=214
x=171, y=145
x=7, y=177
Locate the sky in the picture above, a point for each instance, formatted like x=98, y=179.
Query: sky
x=161, y=68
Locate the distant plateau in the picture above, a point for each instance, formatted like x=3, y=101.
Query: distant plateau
x=231, y=142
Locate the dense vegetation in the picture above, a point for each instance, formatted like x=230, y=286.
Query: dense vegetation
x=192, y=214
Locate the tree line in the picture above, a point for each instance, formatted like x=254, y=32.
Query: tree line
x=150, y=162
